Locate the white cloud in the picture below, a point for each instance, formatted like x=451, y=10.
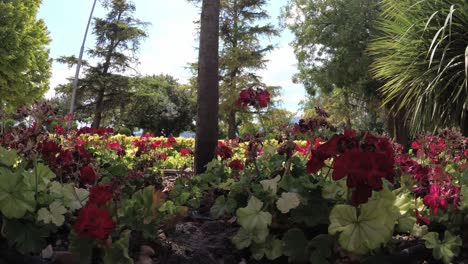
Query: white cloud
x=279, y=71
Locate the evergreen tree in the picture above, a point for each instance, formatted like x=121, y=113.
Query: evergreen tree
x=24, y=57
x=242, y=53
x=118, y=36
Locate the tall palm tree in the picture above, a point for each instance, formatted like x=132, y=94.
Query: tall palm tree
x=421, y=59
x=208, y=86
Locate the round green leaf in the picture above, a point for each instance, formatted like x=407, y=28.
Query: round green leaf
x=251, y=217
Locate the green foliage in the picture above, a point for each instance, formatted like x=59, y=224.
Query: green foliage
x=118, y=253
x=54, y=214
x=8, y=157
x=81, y=246
x=299, y=249
x=252, y=217
x=72, y=197
x=446, y=249
x=244, y=238
x=160, y=105
x=272, y=249
x=331, y=38
x=222, y=206
x=287, y=201
x=24, y=57
x=364, y=232
x=420, y=56
x=16, y=197
x=27, y=237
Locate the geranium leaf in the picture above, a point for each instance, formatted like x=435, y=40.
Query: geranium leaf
x=118, y=253
x=295, y=245
x=27, y=237
x=271, y=185
x=363, y=233
x=74, y=198
x=15, y=197
x=244, y=238
x=287, y=201
x=272, y=249
x=82, y=247
x=251, y=217
x=55, y=214
x=8, y=157
x=222, y=207
x=444, y=250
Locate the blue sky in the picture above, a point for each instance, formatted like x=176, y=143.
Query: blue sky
x=171, y=44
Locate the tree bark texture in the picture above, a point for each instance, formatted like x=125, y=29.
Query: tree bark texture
x=208, y=86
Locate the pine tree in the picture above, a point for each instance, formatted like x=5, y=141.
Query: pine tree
x=118, y=36
x=242, y=52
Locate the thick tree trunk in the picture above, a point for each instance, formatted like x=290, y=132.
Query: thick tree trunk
x=232, y=124
x=208, y=86
x=401, y=129
x=397, y=127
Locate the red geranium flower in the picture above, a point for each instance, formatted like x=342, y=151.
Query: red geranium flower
x=100, y=194
x=87, y=174
x=59, y=129
x=224, y=152
x=162, y=156
x=236, y=165
x=114, y=145
x=84, y=154
x=93, y=221
x=184, y=152
x=155, y=144
x=262, y=97
x=172, y=140
x=434, y=199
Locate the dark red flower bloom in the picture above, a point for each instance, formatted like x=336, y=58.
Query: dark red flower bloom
x=224, y=152
x=84, y=154
x=172, y=140
x=87, y=174
x=93, y=221
x=59, y=129
x=100, y=194
x=114, y=145
x=155, y=144
x=162, y=156
x=236, y=165
x=184, y=152
x=262, y=97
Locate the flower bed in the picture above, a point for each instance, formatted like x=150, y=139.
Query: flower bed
x=348, y=198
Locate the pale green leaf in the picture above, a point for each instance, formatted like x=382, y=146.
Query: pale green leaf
x=55, y=214
x=271, y=185
x=287, y=201
x=251, y=217
x=446, y=249
x=360, y=234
